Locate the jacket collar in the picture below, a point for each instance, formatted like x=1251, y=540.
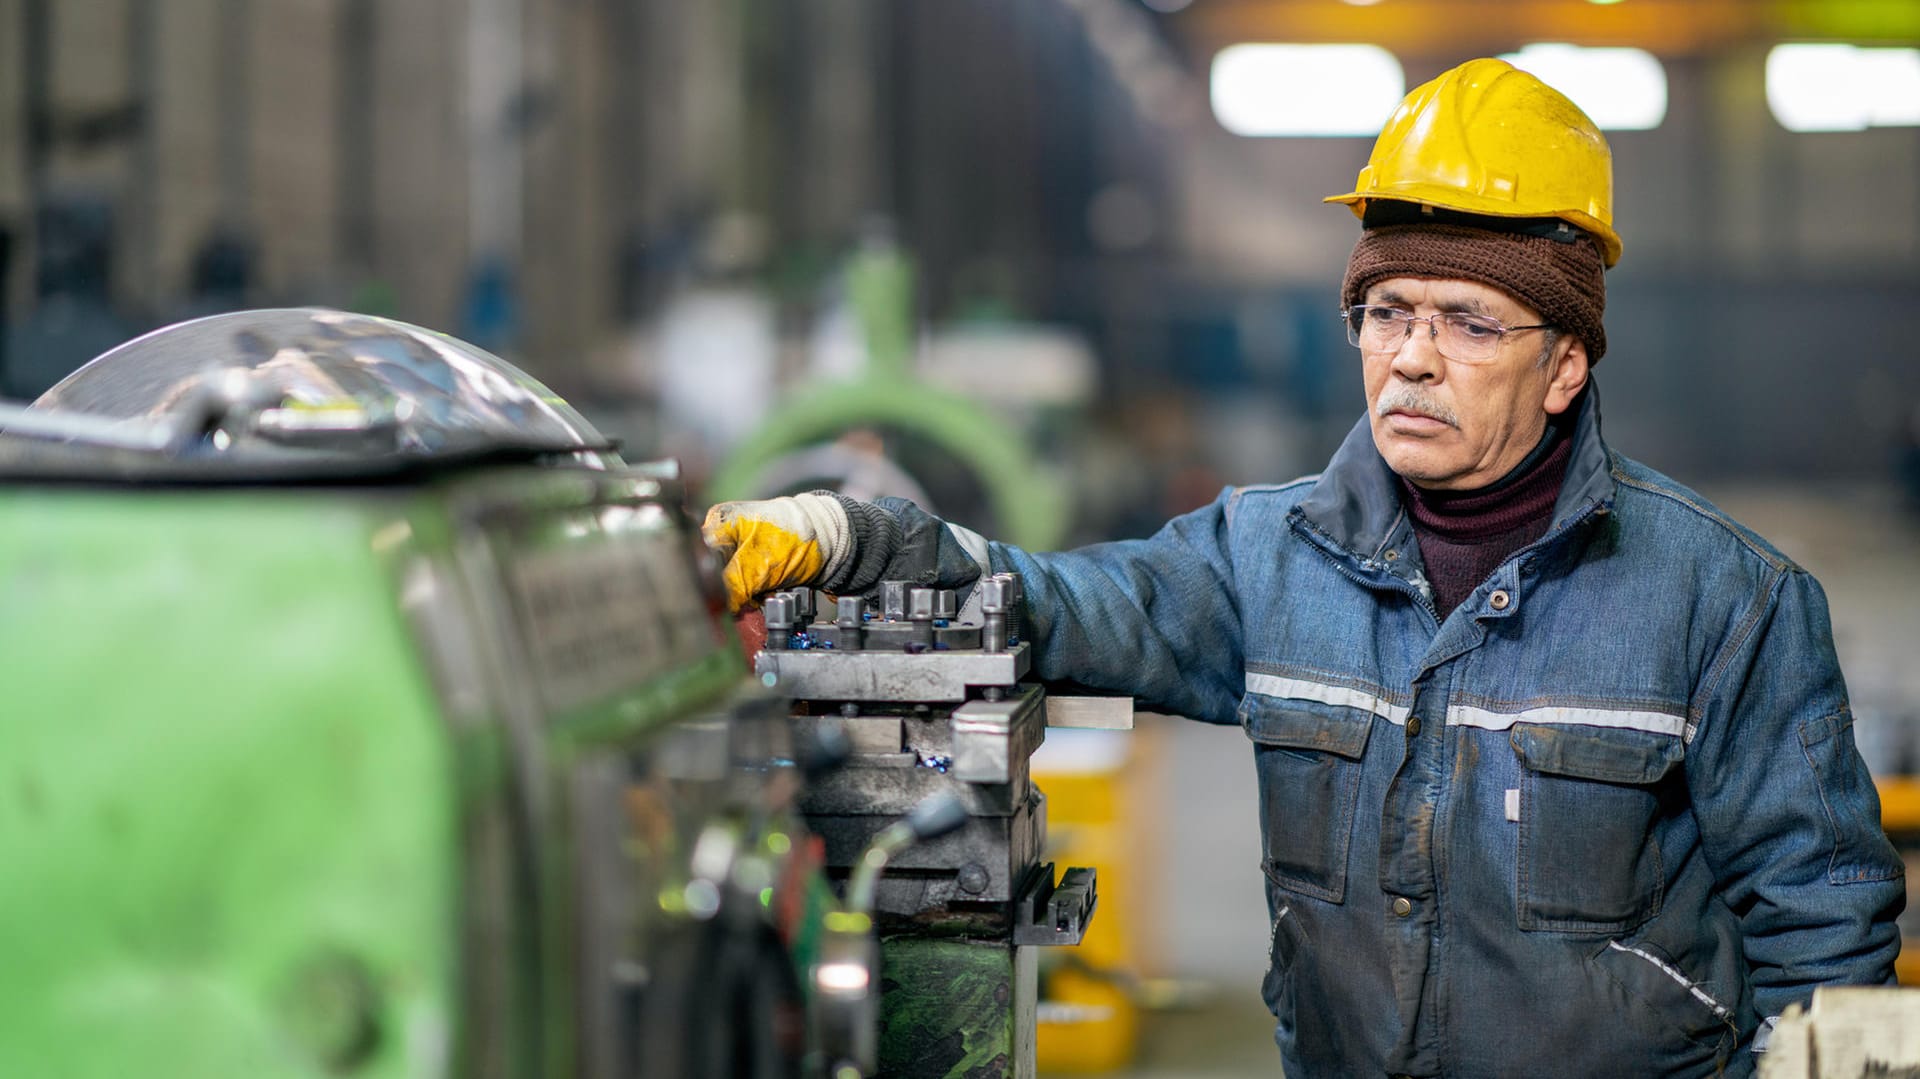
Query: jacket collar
x=1356, y=501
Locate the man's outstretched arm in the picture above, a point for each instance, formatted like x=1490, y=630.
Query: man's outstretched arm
x=1156, y=618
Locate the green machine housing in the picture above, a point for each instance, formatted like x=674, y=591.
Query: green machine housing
x=435, y=762
x=397, y=775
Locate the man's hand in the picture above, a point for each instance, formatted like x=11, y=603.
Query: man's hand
x=778, y=543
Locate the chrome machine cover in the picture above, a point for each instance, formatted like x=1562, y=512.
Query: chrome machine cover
x=299, y=381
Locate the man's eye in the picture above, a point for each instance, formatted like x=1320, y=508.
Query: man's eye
x=1473, y=329
x=1384, y=315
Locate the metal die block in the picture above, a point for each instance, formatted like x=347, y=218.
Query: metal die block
x=985, y=861
x=835, y=675
x=873, y=735
x=989, y=737
x=886, y=788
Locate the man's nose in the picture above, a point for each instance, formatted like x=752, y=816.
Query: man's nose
x=1418, y=358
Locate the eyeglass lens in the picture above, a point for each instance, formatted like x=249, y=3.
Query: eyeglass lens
x=1459, y=336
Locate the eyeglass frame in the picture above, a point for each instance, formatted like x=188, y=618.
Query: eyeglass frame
x=1433, y=328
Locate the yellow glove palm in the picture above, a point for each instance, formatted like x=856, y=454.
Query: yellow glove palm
x=777, y=543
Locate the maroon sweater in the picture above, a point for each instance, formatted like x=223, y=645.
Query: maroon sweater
x=1464, y=535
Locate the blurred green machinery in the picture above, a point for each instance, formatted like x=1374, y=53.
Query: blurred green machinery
x=961, y=438
x=365, y=715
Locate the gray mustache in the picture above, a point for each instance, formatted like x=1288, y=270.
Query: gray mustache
x=1405, y=398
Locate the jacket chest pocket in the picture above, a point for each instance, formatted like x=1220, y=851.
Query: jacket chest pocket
x=1590, y=799
x=1308, y=756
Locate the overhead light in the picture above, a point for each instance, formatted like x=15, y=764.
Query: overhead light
x=1305, y=89
x=1828, y=87
x=1618, y=89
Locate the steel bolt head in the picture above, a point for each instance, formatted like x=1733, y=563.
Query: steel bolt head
x=974, y=878
x=778, y=611
x=893, y=600
x=993, y=596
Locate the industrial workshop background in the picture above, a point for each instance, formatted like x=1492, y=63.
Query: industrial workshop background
x=660, y=208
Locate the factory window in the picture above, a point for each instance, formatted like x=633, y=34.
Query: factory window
x=1305, y=89
x=1618, y=89
x=1828, y=87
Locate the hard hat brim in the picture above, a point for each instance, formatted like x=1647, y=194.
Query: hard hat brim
x=1609, y=241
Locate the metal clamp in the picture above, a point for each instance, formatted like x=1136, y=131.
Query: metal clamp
x=1055, y=914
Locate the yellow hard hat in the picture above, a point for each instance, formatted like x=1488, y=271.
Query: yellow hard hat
x=1487, y=138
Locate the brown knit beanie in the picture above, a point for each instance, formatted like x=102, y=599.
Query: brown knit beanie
x=1565, y=282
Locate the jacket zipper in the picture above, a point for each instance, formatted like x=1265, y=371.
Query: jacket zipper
x=1397, y=584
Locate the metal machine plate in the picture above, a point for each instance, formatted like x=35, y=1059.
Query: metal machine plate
x=605, y=612
x=828, y=675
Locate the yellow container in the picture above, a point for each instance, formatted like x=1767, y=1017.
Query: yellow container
x=1094, y=782
x=1900, y=816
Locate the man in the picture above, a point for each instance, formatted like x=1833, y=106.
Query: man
x=1557, y=774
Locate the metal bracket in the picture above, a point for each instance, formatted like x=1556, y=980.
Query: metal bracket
x=1055, y=914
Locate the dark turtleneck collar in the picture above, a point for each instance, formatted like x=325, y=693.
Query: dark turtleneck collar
x=1465, y=535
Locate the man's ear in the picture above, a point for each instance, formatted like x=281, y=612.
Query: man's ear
x=1569, y=365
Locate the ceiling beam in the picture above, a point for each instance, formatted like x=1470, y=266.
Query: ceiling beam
x=1459, y=28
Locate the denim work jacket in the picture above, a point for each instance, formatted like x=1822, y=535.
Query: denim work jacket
x=1606, y=818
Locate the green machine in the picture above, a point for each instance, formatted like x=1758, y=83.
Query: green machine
x=365, y=715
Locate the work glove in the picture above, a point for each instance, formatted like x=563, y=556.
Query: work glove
x=778, y=543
